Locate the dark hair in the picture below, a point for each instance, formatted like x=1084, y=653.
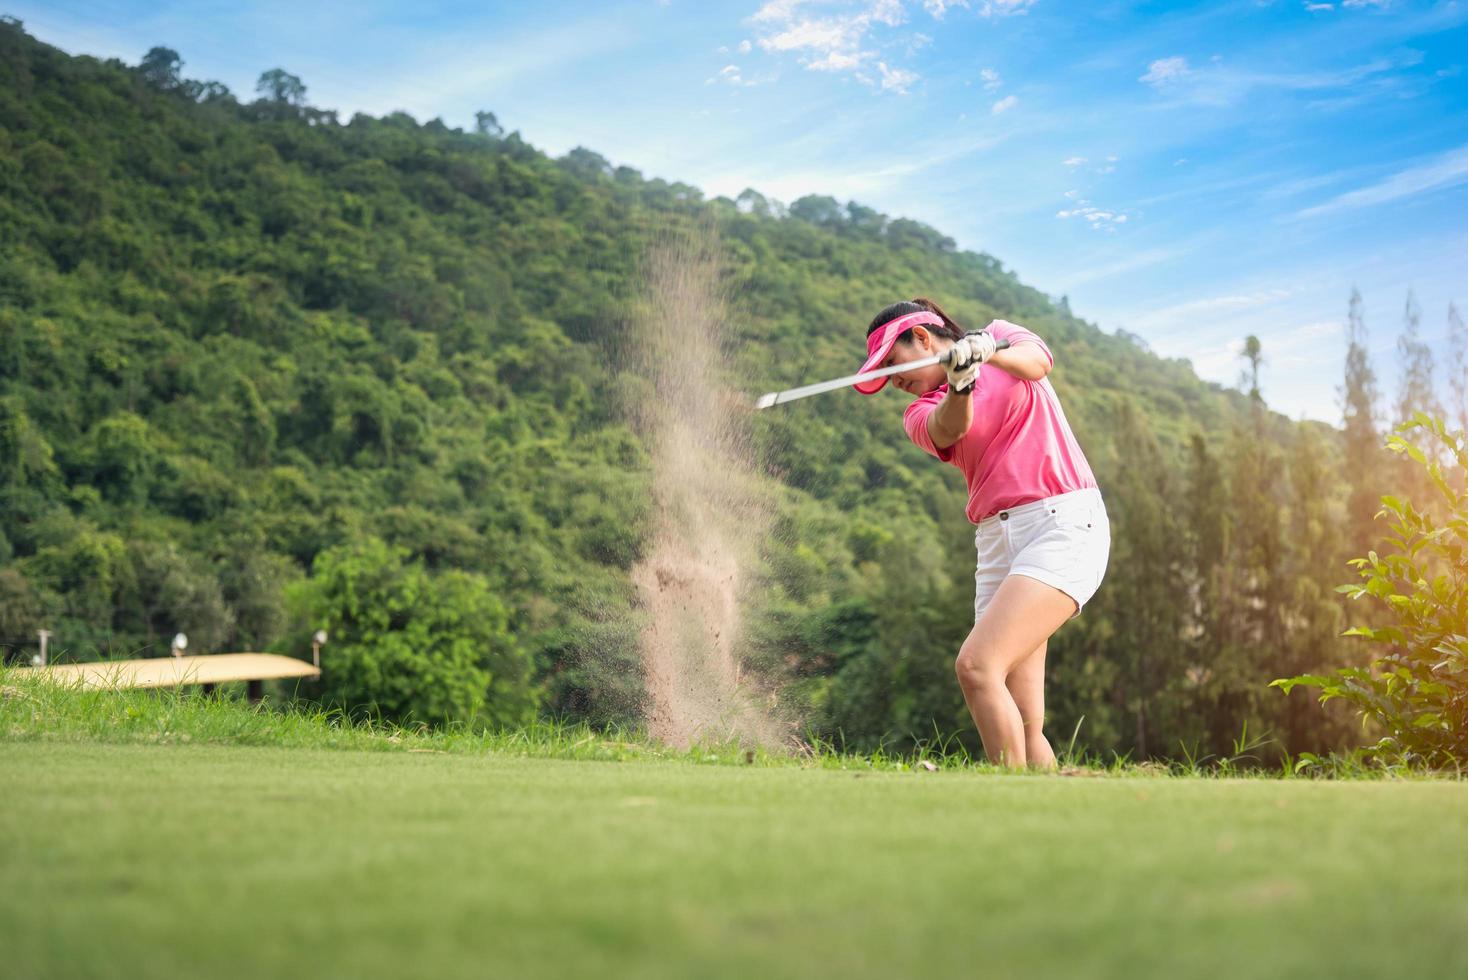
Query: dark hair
x=949, y=329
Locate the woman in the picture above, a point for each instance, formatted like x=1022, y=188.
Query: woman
x=1043, y=536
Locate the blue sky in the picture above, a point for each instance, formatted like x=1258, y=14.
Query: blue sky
x=1190, y=172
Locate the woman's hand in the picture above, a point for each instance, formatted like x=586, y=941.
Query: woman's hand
x=968, y=353
x=982, y=344
x=961, y=367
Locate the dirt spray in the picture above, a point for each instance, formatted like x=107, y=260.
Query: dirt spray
x=710, y=515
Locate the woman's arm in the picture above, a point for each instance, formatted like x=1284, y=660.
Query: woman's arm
x=950, y=420
x=1026, y=360
x=955, y=413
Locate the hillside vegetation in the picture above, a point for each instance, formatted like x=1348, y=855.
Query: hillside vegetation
x=263, y=369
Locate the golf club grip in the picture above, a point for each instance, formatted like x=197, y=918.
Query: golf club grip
x=999, y=345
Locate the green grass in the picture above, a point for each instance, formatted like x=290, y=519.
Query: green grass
x=197, y=860
x=159, y=835
x=30, y=710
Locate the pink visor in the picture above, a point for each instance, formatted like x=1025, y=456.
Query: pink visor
x=880, y=341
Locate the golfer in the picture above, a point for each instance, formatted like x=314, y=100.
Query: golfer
x=1043, y=536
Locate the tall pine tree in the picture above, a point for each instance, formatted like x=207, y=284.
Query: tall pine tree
x=1414, y=394
x=1314, y=617
x=1147, y=535
x=1362, y=450
x=1457, y=369
x=1414, y=391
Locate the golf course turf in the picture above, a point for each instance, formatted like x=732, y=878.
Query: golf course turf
x=125, y=860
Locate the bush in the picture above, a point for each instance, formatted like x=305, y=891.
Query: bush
x=1418, y=690
x=411, y=646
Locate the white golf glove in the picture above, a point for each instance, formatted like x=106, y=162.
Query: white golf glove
x=982, y=343
x=970, y=352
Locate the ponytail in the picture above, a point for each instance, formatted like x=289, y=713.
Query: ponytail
x=950, y=329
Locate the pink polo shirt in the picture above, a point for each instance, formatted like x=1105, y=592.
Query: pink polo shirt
x=1019, y=448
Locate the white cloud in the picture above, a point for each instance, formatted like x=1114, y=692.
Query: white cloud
x=824, y=37
x=1004, y=104
x=1447, y=170
x=1098, y=217
x=889, y=12
x=1104, y=219
x=776, y=10
x=940, y=7
x=895, y=79
x=1319, y=6
x=1075, y=161
x=991, y=79
x=1358, y=4
x=834, y=41
x=1003, y=8
x=1165, y=70
x=1220, y=85
x=730, y=75
x=744, y=47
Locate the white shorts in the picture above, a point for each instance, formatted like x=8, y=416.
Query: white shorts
x=1063, y=541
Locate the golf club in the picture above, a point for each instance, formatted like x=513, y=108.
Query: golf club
x=780, y=397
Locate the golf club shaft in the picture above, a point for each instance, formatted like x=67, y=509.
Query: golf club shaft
x=780, y=397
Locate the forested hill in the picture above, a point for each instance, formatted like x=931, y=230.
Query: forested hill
x=242, y=341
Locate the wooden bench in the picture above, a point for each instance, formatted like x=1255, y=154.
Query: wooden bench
x=211, y=669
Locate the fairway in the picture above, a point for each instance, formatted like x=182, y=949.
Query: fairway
x=193, y=860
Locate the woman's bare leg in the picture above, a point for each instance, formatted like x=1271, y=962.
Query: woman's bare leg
x=1022, y=615
x=1026, y=685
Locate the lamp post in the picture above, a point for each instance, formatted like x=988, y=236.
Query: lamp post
x=318, y=640
x=44, y=635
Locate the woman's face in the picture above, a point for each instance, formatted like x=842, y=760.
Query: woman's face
x=915, y=345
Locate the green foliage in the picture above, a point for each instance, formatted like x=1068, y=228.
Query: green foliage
x=411, y=646
x=1417, y=691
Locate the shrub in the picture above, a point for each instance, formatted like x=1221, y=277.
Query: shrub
x=411, y=646
x=1418, y=689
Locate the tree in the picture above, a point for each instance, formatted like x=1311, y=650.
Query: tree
x=1362, y=444
x=1312, y=608
x=587, y=164
x=1415, y=394
x=205, y=91
x=20, y=609
x=485, y=124
x=1414, y=391
x=1458, y=366
x=751, y=201
x=160, y=67
x=818, y=210
x=280, y=86
x=410, y=646
x=1253, y=353
x=1250, y=612
x=163, y=590
x=1207, y=570
x=1146, y=536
